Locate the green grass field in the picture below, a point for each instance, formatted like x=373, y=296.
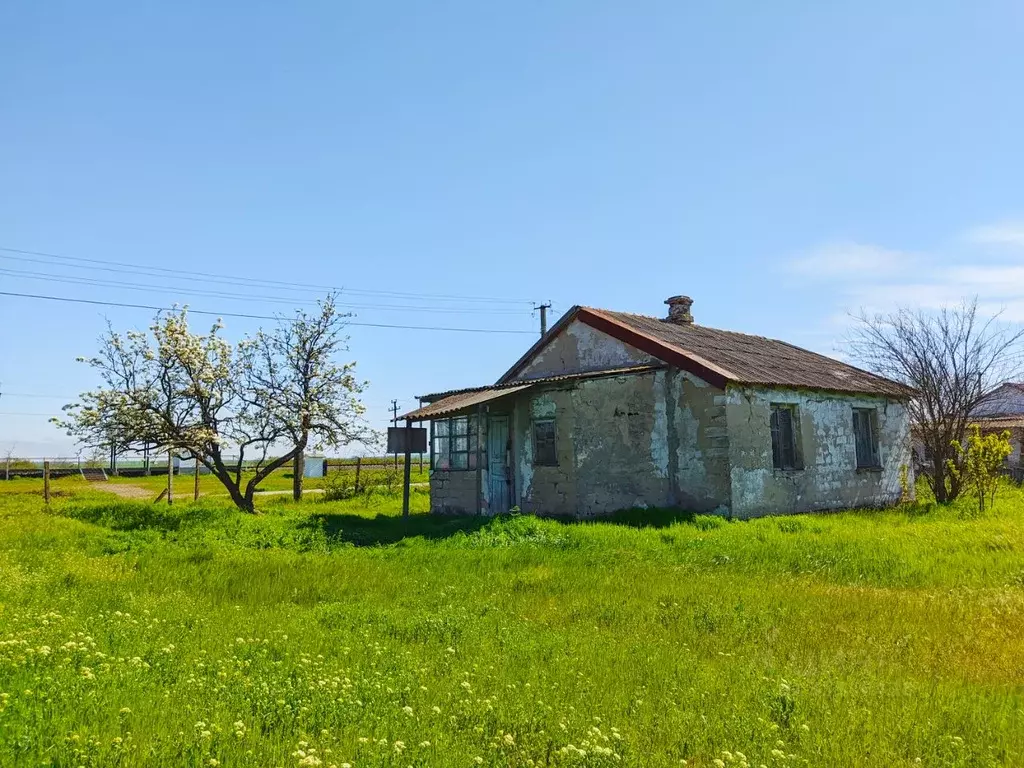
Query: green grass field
x=335, y=633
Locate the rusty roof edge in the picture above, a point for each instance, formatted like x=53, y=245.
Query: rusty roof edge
x=702, y=361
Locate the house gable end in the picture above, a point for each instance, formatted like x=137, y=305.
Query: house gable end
x=579, y=348
x=607, y=344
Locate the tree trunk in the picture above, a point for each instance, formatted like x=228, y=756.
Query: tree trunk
x=298, y=470
x=939, y=471
x=241, y=500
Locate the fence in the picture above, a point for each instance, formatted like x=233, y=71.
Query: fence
x=14, y=467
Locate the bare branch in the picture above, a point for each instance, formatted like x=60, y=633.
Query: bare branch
x=954, y=359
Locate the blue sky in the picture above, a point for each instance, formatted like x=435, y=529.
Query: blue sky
x=781, y=163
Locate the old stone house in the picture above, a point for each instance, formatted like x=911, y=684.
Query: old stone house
x=610, y=410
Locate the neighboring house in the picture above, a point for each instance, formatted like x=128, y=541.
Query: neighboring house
x=610, y=410
x=1002, y=410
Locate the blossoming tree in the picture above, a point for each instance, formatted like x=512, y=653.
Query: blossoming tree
x=261, y=401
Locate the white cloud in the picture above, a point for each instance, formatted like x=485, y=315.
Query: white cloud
x=874, y=278
x=850, y=260
x=1005, y=233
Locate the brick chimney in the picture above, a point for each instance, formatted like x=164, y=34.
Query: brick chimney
x=679, y=310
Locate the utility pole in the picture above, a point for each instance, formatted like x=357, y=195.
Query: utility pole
x=394, y=420
x=543, y=317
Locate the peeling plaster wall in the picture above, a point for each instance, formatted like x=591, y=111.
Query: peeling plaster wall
x=581, y=348
x=643, y=440
x=667, y=438
x=621, y=440
x=699, y=442
x=830, y=478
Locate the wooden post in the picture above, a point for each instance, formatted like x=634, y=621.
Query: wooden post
x=170, y=477
x=359, y=465
x=298, y=469
x=408, y=470
x=479, y=469
x=46, y=482
x=195, y=481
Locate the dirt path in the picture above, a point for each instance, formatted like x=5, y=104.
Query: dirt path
x=125, y=491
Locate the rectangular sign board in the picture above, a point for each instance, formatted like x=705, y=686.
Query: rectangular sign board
x=407, y=439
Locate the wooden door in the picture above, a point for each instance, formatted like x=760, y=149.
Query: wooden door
x=498, y=475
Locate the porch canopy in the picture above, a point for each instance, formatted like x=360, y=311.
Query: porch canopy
x=459, y=401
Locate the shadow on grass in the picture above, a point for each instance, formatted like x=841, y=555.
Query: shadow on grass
x=390, y=529
x=136, y=516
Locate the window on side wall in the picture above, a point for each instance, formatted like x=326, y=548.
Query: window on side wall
x=544, y=452
x=785, y=424
x=455, y=443
x=865, y=433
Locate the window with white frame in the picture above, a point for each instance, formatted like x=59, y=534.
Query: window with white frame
x=455, y=443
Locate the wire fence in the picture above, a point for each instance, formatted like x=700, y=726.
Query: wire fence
x=12, y=467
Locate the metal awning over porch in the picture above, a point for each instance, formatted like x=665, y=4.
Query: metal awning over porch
x=464, y=400
x=456, y=401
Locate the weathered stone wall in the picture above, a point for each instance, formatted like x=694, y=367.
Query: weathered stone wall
x=545, y=490
x=453, y=492
x=830, y=478
x=579, y=348
x=639, y=440
x=699, y=444
x=667, y=438
x=620, y=431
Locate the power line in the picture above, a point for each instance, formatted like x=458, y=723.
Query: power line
x=29, y=394
x=96, y=302
x=77, y=280
x=263, y=282
x=25, y=413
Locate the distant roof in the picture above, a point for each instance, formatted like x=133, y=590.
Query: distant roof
x=724, y=357
x=447, y=403
x=999, y=422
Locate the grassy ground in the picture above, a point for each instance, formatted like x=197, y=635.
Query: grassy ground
x=334, y=633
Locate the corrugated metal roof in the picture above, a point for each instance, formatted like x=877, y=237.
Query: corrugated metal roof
x=457, y=402
x=447, y=403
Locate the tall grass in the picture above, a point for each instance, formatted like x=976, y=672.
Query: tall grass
x=330, y=633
